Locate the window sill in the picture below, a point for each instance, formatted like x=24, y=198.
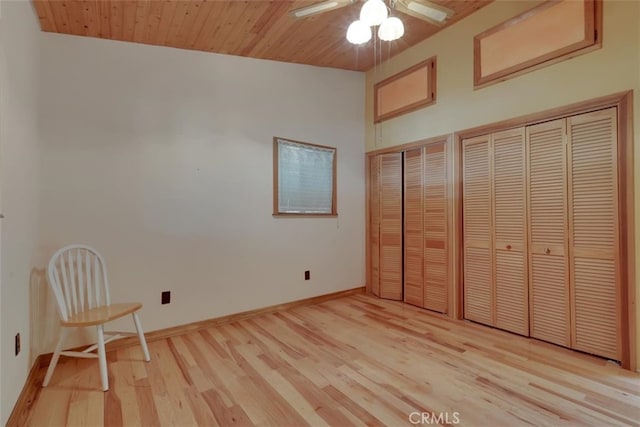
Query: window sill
x=305, y=215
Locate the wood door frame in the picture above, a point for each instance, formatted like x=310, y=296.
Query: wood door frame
x=623, y=101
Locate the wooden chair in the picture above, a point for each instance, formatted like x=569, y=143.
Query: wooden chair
x=78, y=278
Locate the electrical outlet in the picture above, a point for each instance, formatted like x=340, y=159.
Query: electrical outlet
x=17, y=343
x=166, y=297
x=307, y=275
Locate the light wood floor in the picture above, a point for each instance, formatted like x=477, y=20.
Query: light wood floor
x=350, y=361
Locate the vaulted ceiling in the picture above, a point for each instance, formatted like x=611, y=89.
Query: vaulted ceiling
x=259, y=28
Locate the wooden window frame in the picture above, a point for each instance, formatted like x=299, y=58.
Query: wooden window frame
x=592, y=40
x=334, y=200
x=431, y=65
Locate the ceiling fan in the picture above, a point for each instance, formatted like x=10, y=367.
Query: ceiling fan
x=375, y=13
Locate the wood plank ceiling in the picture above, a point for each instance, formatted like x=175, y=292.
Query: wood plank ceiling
x=258, y=29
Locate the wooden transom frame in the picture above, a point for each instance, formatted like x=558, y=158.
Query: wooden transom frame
x=406, y=91
x=549, y=33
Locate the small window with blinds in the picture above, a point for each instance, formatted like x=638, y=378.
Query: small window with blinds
x=304, y=179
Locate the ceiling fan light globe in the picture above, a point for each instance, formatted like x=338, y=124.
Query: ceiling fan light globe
x=373, y=12
x=391, y=29
x=358, y=32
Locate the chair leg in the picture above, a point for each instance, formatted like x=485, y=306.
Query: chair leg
x=143, y=341
x=56, y=356
x=102, y=358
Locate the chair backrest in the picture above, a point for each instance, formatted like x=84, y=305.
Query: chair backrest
x=78, y=278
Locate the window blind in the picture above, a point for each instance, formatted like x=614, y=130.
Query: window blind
x=305, y=178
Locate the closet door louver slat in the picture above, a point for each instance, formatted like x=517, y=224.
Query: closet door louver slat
x=374, y=224
x=548, y=276
x=594, y=249
x=435, y=231
x=391, y=226
x=478, y=275
x=509, y=227
x=413, y=232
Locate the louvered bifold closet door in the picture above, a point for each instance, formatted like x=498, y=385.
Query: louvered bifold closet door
x=374, y=224
x=593, y=238
x=509, y=178
x=435, y=228
x=391, y=226
x=413, y=222
x=548, y=245
x=476, y=211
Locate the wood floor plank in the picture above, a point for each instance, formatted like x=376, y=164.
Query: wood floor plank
x=295, y=404
x=120, y=402
x=86, y=408
x=226, y=416
x=149, y=415
x=353, y=407
x=52, y=407
x=352, y=361
x=201, y=411
x=173, y=407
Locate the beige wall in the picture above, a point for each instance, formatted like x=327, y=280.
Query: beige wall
x=19, y=190
x=614, y=68
x=162, y=160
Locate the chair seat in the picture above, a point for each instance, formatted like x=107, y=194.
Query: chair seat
x=103, y=314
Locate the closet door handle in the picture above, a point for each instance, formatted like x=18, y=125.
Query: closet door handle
x=508, y=247
x=547, y=251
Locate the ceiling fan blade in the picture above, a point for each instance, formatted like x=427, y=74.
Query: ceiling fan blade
x=320, y=7
x=425, y=10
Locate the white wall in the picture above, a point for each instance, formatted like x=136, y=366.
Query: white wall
x=162, y=160
x=18, y=186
